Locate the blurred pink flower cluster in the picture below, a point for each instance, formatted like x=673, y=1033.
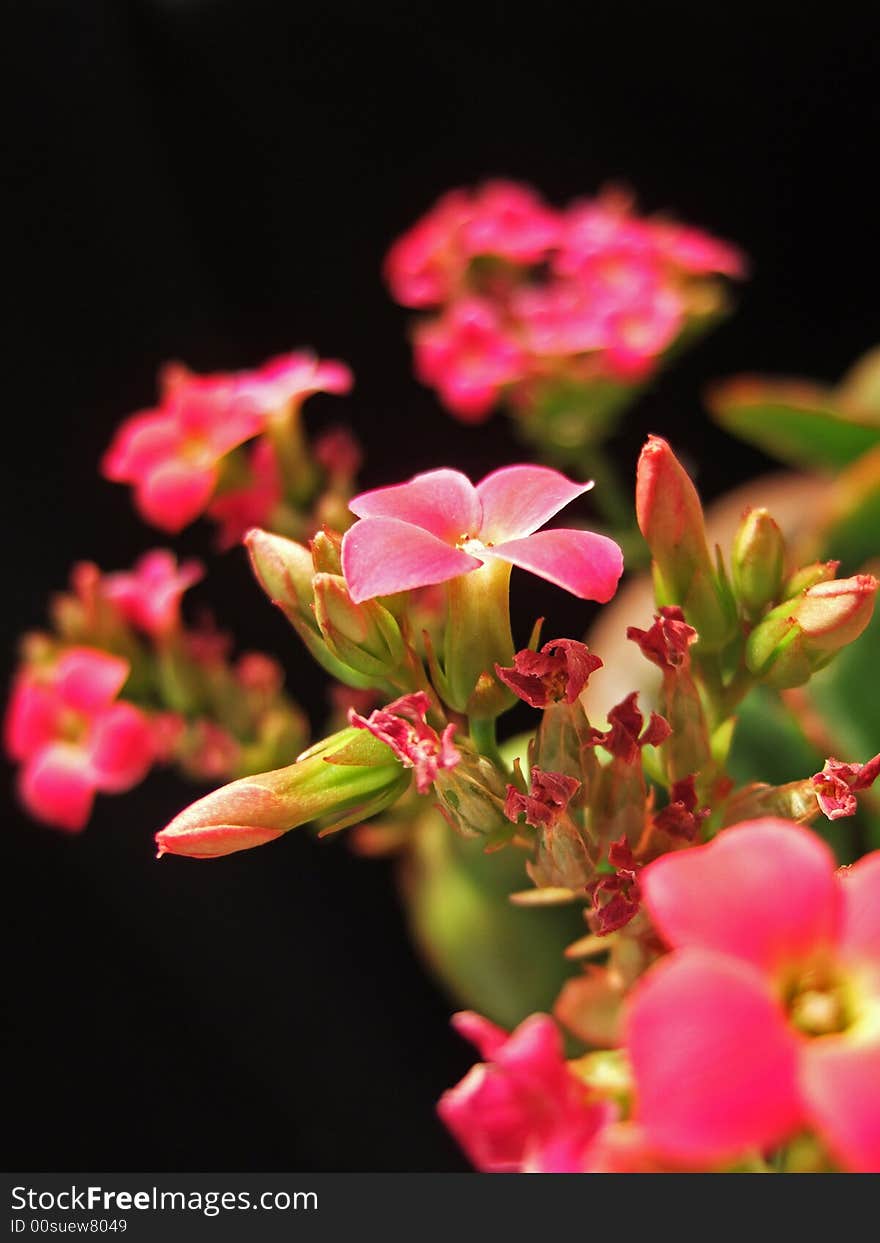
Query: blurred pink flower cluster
x=524, y=296
x=121, y=684
x=186, y=458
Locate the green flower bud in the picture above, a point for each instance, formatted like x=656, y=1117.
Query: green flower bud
x=757, y=561
x=799, y=637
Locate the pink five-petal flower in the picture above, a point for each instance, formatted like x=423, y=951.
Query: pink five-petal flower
x=149, y=595
x=468, y=355
x=403, y=728
x=766, y=1016
x=510, y=220
x=438, y=526
x=426, y=265
x=72, y=738
x=522, y=1109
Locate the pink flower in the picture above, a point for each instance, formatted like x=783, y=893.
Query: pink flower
x=172, y=455
x=697, y=252
x=72, y=739
x=251, y=504
x=640, y=329
x=439, y=526
x=559, y=672
x=402, y=727
x=837, y=783
x=468, y=356
x=288, y=380
x=765, y=1018
x=426, y=265
x=521, y=1109
x=149, y=595
x=511, y=222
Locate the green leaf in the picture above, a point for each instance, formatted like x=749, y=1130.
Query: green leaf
x=799, y=423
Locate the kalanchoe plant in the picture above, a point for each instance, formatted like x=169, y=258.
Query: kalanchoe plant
x=712, y=970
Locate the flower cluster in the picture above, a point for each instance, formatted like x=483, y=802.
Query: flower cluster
x=230, y=445
x=751, y=1042
x=121, y=683
x=530, y=303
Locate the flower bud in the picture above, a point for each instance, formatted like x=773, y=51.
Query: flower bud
x=472, y=796
x=363, y=636
x=285, y=570
x=757, y=561
x=799, y=637
x=670, y=517
x=348, y=777
x=326, y=549
x=808, y=576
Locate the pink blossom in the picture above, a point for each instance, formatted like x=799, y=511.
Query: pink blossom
x=559, y=672
x=510, y=221
x=172, y=454
x=250, y=504
x=697, y=252
x=764, y=1018
x=439, y=526
x=289, y=379
x=149, y=595
x=837, y=783
x=468, y=356
x=64, y=726
x=521, y=1108
x=546, y=802
x=402, y=727
x=426, y=265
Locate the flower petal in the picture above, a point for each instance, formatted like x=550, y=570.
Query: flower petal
x=841, y=1086
x=861, y=908
x=383, y=555
x=31, y=717
x=57, y=787
x=763, y=891
x=518, y=499
x=444, y=502
x=715, y=1062
x=586, y=564
x=484, y=1035
x=88, y=680
x=175, y=493
x=122, y=748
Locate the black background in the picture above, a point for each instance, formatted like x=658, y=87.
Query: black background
x=217, y=182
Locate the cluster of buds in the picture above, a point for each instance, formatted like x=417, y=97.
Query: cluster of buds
x=121, y=683
x=748, y=1043
x=558, y=314
x=232, y=446
x=762, y=623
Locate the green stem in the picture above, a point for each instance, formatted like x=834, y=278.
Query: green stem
x=482, y=731
x=285, y=431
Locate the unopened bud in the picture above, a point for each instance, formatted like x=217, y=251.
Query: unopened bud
x=799, y=637
x=670, y=517
x=326, y=549
x=757, y=561
x=349, y=775
x=472, y=796
x=808, y=576
x=365, y=636
x=284, y=569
